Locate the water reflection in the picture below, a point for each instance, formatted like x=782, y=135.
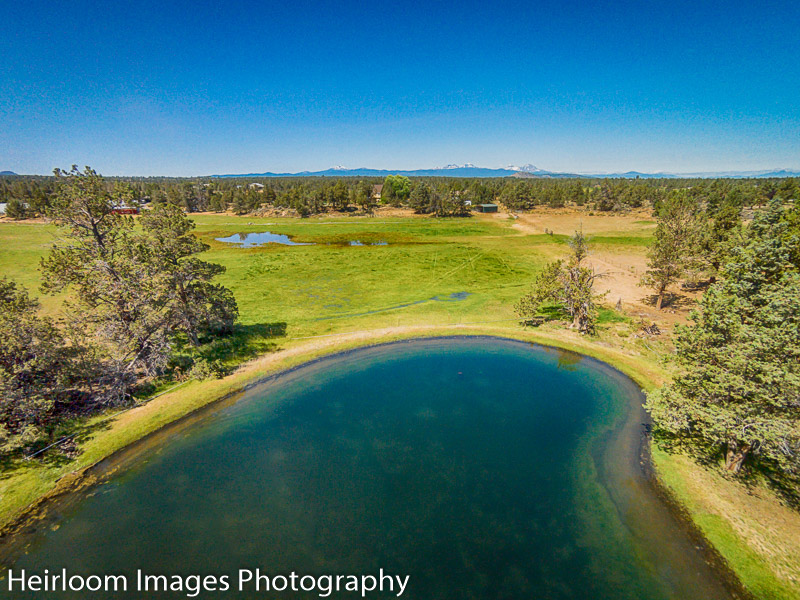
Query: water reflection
x=252, y=240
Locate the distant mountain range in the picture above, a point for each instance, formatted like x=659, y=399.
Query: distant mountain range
x=470, y=170
x=525, y=171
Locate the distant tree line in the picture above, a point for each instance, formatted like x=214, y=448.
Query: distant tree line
x=441, y=196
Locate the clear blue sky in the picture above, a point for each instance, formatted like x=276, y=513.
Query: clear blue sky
x=189, y=88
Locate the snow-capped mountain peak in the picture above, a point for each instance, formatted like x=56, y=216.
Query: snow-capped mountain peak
x=529, y=168
x=464, y=166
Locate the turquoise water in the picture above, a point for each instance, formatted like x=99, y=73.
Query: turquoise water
x=480, y=468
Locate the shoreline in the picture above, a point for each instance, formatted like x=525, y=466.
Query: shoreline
x=285, y=361
x=70, y=486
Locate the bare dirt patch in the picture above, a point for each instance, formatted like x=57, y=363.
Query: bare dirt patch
x=622, y=265
x=567, y=221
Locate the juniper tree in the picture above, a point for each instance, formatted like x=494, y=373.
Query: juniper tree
x=42, y=372
x=420, y=199
x=195, y=303
x=116, y=295
x=569, y=284
x=362, y=196
x=738, y=390
x=674, y=249
x=131, y=290
x=716, y=235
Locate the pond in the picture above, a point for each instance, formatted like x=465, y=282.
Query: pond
x=254, y=240
x=478, y=467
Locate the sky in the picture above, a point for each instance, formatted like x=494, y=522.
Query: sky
x=197, y=88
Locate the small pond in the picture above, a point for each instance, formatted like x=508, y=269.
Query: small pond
x=481, y=468
x=253, y=240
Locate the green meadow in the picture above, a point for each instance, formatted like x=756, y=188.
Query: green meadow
x=432, y=271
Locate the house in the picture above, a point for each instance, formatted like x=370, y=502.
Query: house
x=256, y=186
x=377, y=190
x=124, y=209
x=487, y=208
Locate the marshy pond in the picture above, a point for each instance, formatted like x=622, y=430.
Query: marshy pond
x=481, y=468
x=254, y=240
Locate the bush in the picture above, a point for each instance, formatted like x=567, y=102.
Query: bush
x=205, y=369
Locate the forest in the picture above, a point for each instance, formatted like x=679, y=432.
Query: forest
x=30, y=196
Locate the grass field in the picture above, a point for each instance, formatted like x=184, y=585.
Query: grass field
x=299, y=302
x=332, y=286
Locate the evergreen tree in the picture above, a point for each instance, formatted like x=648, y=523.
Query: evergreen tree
x=170, y=249
x=568, y=284
x=41, y=372
x=738, y=390
x=420, y=199
x=132, y=291
x=674, y=249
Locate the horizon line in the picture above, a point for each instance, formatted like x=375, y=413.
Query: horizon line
x=791, y=172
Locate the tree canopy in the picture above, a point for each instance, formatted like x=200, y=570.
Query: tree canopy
x=738, y=390
x=133, y=290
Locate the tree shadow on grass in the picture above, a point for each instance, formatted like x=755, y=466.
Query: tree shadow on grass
x=243, y=343
x=545, y=314
x=59, y=450
x=231, y=347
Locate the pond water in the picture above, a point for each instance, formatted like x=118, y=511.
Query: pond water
x=479, y=467
x=252, y=240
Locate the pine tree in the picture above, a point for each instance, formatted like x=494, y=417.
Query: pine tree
x=568, y=284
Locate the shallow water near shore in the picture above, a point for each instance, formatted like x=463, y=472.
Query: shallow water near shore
x=481, y=468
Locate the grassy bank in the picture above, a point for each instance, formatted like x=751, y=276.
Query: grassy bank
x=298, y=303
x=751, y=528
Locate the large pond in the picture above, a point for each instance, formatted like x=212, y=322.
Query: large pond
x=480, y=468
